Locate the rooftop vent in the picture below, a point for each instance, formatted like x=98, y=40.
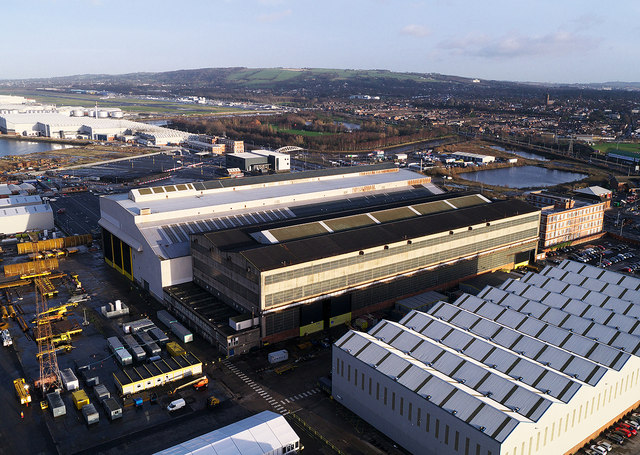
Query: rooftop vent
x=145, y=211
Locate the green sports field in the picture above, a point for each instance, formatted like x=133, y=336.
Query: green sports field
x=622, y=148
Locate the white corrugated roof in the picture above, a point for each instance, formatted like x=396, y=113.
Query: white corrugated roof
x=24, y=210
x=255, y=435
x=455, y=397
x=15, y=201
x=594, y=191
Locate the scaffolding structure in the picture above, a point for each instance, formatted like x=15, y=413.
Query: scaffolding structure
x=49, y=371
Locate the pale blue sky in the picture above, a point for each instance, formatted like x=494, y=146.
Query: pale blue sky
x=532, y=40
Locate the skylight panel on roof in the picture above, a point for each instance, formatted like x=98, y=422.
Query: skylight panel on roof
x=613, y=290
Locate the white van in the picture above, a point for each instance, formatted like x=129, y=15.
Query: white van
x=176, y=404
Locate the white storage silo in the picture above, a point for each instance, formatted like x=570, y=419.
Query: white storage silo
x=116, y=114
x=103, y=114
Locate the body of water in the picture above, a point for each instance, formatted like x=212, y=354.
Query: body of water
x=350, y=126
x=158, y=123
x=522, y=177
x=13, y=147
x=522, y=153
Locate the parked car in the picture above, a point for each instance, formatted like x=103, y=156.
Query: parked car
x=633, y=423
x=605, y=444
x=624, y=430
x=622, y=434
x=611, y=436
x=632, y=429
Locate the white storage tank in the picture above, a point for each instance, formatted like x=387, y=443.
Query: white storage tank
x=78, y=113
x=116, y=114
x=103, y=114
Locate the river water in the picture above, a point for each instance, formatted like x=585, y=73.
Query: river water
x=13, y=147
x=522, y=153
x=522, y=177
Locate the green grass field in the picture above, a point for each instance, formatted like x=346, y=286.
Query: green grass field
x=618, y=147
x=263, y=76
x=299, y=132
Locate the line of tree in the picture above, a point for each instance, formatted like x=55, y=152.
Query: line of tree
x=310, y=131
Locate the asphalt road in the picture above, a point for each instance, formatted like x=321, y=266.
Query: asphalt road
x=81, y=215
x=16, y=433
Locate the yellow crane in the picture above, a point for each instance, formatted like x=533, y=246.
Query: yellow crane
x=22, y=390
x=54, y=313
x=60, y=337
x=62, y=347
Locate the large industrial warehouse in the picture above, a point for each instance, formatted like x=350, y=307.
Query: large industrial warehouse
x=536, y=366
x=146, y=232
x=101, y=125
x=24, y=213
x=300, y=278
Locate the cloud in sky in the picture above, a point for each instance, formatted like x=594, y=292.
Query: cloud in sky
x=415, y=30
x=275, y=16
x=515, y=45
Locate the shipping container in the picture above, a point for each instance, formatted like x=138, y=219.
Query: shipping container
x=166, y=318
x=134, y=348
x=183, y=334
x=69, y=379
x=56, y=404
x=137, y=326
x=278, y=356
x=158, y=335
x=79, y=398
x=101, y=392
x=112, y=408
x=114, y=344
x=148, y=344
x=90, y=414
x=123, y=356
x=175, y=349
x=90, y=377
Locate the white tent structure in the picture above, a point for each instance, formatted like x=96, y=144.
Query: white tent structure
x=266, y=433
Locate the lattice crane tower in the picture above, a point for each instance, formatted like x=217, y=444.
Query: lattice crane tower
x=49, y=370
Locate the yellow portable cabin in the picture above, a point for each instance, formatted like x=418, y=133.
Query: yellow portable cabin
x=80, y=398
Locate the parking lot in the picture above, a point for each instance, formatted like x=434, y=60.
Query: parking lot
x=185, y=167
x=620, y=436
x=606, y=253
x=76, y=213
